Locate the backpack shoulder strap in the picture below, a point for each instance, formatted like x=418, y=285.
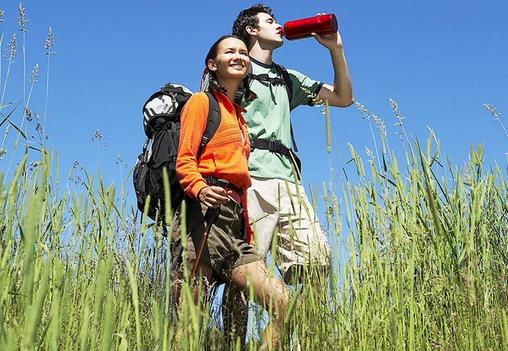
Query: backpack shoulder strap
x=212, y=123
x=284, y=79
x=289, y=87
x=287, y=80
x=288, y=83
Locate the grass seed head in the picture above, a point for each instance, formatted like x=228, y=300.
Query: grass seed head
x=395, y=109
x=316, y=100
x=119, y=160
x=369, y=153
x=22, y=20
x=2, y=15
x=97, y=136
x=492, y=110
x=28, y=114
x=363, y=111
x=12, y=51
x=34, y=165
x=394, y=105
x=50, y=42
x=379, y=124
x=41, y=132
x=39, y=128
x=35, y=74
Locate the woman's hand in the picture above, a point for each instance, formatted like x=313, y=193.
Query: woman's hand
x=213, y=196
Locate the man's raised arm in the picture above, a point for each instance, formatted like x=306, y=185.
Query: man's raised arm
x=341, y=93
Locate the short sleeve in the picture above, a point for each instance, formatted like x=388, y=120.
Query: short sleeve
x=304, y=89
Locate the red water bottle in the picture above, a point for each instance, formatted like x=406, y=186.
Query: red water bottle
x=302, y=28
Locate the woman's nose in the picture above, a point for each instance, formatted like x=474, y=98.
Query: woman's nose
x=237, y=56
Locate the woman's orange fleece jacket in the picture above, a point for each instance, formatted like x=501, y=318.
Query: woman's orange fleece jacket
x=224, y=156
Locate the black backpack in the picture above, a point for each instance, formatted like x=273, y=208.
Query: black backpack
x=161, y=123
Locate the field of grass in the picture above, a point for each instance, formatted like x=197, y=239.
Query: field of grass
x=426, y=267
x=420, y=257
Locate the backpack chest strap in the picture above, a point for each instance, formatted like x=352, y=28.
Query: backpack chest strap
x=265, y=78
x=279, y=148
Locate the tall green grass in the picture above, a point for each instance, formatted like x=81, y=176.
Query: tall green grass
x=425, y=267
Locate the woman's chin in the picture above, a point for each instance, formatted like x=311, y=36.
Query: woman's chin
x=236, y=75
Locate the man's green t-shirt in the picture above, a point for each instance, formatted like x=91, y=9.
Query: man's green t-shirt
x=268, y=117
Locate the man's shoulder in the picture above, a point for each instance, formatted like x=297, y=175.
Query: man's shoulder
x=276, y=66
x=279, y=64
x=293, y=73
x=273, y=66
x=282, y=67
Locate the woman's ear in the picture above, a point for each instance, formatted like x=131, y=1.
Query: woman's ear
x=211, y=65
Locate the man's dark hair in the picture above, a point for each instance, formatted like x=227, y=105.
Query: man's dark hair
x=247, y=18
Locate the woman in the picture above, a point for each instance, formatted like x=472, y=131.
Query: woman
x=218, y=179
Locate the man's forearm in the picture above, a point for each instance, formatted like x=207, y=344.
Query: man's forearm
x=342, y=89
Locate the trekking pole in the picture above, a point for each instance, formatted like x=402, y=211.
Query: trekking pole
x=211, y=216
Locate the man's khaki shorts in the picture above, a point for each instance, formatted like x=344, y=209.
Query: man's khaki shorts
x=279, y=210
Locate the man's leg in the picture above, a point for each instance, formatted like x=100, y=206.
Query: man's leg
x=301, y=241
x=263, y=209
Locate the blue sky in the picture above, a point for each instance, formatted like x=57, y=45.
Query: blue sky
x=440, y=60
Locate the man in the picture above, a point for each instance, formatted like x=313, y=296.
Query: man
x=277, y=205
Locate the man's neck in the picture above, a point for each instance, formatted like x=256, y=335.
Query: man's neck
x=261, y=55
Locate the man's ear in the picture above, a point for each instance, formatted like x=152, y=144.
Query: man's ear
x=251, y=30
x=211, y=65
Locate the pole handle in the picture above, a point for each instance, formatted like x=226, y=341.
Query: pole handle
x=211, y=216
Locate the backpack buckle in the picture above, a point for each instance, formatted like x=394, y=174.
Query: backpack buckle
x=276, y=146
x=272, y=145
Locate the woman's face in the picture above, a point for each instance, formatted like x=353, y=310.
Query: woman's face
x=232, y=60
